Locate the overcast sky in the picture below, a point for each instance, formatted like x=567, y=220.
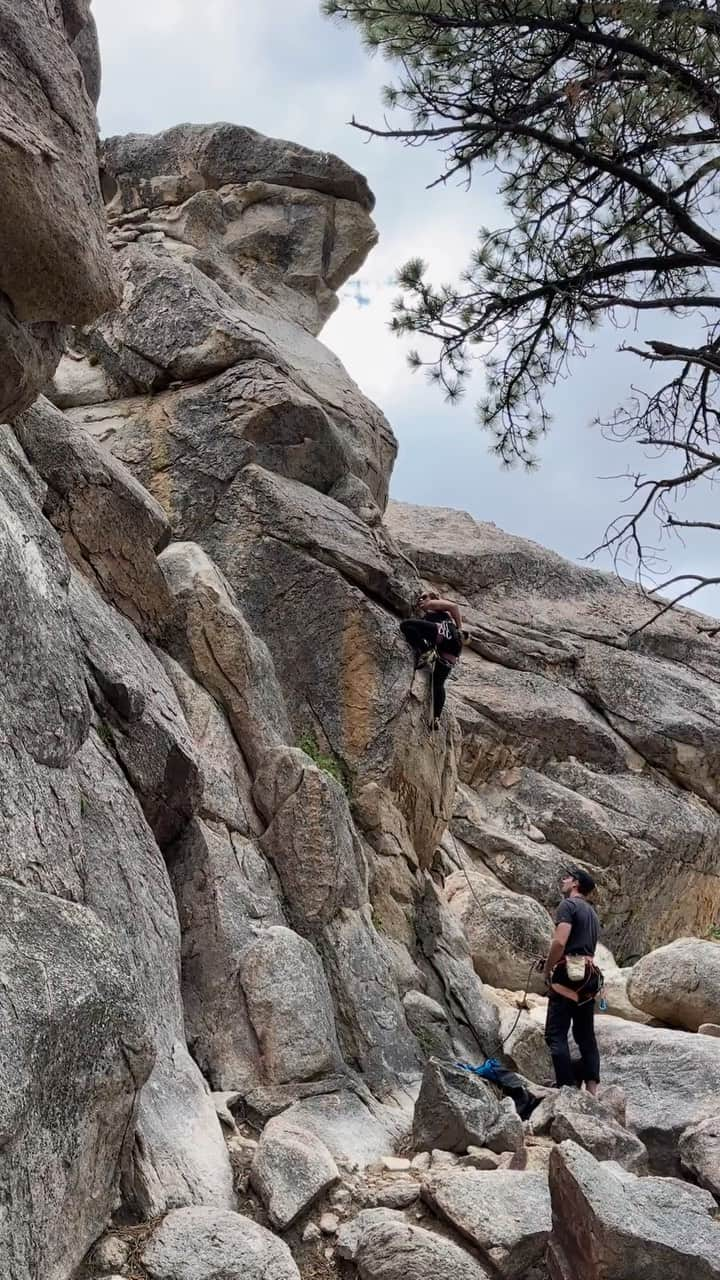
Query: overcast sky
x=290, y=72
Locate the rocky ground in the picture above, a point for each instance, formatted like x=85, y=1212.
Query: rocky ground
x=253, y=910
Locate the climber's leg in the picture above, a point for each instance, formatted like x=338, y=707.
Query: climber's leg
x=420, y=635
x=557, y=1026
x=440, y=674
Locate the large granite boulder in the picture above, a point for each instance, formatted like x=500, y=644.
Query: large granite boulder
x=112, y=529
x=290, y=1007
x=384, y=1246
x=210, y=635
x=679, y=984
x=456, y=1110
x=312, y=842
x=226, y=894
x=274, y=383
x=138, y=713
x=699, y=1149
x=614, y=1226
x=505, y=1214
x=178, y=1155
x=55, y=263
x=576, y=1115
x=291, y=1169
x=671, y=1079
x=356, y=1132
x=209, y=1244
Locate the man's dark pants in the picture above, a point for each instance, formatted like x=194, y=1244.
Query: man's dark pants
x=561, y=1015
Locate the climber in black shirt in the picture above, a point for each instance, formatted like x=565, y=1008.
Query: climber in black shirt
x=436, y=639
x=574, y=982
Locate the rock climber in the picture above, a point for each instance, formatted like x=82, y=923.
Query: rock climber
x=574, y=981
x=437, y=640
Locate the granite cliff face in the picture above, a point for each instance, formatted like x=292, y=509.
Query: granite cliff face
x=247, y=894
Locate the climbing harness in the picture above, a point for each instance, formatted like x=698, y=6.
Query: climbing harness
x=592, y=975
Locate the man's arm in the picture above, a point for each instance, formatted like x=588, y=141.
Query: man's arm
x=557, y=948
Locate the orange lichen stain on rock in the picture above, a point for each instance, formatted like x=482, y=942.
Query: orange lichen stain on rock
x=358, y=687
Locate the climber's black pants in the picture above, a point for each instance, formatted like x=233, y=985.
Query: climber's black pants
x=561, y=1015
x=438, y=676
x=420, y=634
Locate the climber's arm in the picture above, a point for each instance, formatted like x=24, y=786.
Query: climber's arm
x=445, y=606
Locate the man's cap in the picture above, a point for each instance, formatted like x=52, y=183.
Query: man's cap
x=586, y=884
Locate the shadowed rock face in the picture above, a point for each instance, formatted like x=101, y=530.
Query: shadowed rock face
x=55, y=264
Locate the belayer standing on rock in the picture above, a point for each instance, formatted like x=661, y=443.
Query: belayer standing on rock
x=574, y=982
x=437, y=639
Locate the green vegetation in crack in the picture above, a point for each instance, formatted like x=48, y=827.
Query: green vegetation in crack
x=327, y=762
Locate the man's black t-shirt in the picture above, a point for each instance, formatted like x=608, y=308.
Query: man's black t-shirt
x=585, y=926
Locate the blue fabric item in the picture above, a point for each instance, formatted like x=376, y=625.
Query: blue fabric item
x=489, y=1070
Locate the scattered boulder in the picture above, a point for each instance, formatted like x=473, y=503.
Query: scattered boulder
x=456, y=1109
x=399, y=1194
x=699, y=1148
x=679, y=983
x=290, y=1171
x=574, y=1114
x=384, y=1246
x=612, y=1226
x=615, y=989
x=111, y=1252
x=670, y=1079
x=340, y=1120
x=506, y=1215
x=206, y=1244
